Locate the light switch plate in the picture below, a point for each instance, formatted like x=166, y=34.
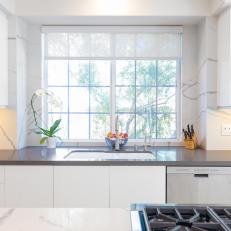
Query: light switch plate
x=226, y=130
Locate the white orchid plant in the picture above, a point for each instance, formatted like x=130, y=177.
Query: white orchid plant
x=54, y=102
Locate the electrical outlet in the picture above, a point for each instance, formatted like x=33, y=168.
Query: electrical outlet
x=226, y=130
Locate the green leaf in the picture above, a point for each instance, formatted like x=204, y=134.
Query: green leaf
x=58, y=129
x=55, y=126
x=38, y=132
x=45, y=132
x=43, y=140
x=58, y=137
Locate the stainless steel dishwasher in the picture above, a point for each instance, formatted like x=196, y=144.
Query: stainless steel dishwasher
x=199, y=185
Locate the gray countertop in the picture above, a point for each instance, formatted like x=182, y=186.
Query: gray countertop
x=168, y=156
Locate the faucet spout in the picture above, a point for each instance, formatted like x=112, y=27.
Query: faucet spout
x=117, y=142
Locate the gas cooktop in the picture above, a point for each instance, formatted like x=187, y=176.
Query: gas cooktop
x=176, y=217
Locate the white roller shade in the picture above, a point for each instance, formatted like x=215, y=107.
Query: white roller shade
x=113, y=42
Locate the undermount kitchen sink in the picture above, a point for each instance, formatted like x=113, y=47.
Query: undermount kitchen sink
x=104, y=155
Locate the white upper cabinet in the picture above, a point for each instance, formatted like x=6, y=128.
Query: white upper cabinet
x=3, y=60
x=224, y=60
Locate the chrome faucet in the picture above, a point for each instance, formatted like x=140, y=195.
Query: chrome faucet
x=117, y=142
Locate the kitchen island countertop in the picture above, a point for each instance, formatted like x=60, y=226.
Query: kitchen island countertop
x=59, y=219
x=168, y=156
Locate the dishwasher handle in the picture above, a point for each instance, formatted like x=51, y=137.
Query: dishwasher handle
x=202, y=175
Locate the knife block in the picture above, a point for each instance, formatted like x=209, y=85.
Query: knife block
x=190, y=143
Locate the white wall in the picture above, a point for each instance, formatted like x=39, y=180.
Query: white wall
x=207, y=64
x=112, y=7
x=215, y=118
x=189, y=74
x=8, y=5
x=210, y=119
x=34, y=80
x=17, y=75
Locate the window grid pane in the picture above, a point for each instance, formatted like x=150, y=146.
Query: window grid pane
x=146, y=91
x=151, y=104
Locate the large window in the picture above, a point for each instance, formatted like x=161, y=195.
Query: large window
x=101, y=75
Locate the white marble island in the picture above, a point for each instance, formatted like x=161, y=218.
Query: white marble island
x=59, y=219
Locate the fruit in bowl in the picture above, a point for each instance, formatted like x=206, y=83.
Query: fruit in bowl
x=110, y=134
x=111, y=138
x=122, y=135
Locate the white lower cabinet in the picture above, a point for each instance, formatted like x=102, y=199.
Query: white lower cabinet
x=96, y=186
x=137, y=184
x=2, y=196
x=29, y=186
x=2, y=186
x=81, y=186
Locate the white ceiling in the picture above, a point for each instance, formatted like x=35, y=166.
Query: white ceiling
x=114, y=12
x=113, y=7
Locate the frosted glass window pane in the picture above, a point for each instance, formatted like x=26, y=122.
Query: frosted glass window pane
x=166, y=99
x=100, y=73
x=79, y=45
x=100, y=125
x=62, y=94
x=100, y=99
x=145, y=124
x=166, y=72
x=127, y=124
x=145, y=73
x=57, y=72
x=57, y=44
x=125, y=45
x=100, y=45
x=145, y=99
x=63, y=133
x=79, y=72
x=166, y=126
x=79, y=99
x=79, y=126
x=125, y=72
x=125, y=99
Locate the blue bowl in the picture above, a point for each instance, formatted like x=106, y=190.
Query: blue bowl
x=111, y=142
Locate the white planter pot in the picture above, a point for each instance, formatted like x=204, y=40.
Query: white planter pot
x=51, y=142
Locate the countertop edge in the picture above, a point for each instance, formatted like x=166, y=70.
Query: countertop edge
x=121, y=163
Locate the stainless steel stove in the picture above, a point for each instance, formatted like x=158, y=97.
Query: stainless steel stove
x=176, y=217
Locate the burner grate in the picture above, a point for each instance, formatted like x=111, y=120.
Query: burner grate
x=223, y=214
x=182, y=218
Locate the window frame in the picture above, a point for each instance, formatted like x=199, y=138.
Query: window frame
x=112, y=86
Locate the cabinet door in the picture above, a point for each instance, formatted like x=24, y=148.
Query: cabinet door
x=2, y=186
x=81, y=186
x=29, y=186
x=2, y=196
x=136, y=184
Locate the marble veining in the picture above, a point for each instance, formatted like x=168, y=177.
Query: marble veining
x=60, y=219
x=5, y=215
